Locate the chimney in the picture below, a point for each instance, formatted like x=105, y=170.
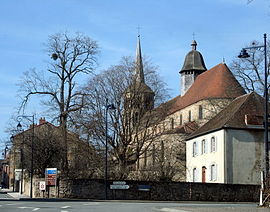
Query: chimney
x=42, y=120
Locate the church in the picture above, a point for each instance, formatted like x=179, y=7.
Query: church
x=182, y=150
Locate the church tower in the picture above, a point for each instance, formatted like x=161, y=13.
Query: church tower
x=139, y=97
x=193, y=66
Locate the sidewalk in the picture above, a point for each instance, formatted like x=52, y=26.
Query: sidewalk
x=14, y=195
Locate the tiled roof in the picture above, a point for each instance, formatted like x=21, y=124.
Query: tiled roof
x=218, y=82
x=233, y=116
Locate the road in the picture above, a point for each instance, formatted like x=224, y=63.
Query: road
x=113, y=206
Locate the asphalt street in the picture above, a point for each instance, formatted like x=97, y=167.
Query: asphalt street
x=120, y=206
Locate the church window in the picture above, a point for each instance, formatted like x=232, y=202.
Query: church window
x=154, y=154
x=145, y=159
x=162, y=151
x=138, y=164
x=189, y=116
x=213, y=144
x=200, y=112
x=172, y=123
x=213, y=172
x=195, y=175
x=181, y=119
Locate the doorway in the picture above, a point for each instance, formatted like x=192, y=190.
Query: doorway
x=203, y=174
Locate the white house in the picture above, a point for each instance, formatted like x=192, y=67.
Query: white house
x=230, y=147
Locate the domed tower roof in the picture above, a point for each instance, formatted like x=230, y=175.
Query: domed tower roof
x=194, y=60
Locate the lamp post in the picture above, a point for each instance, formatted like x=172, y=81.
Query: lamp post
x=244, y=54
x=19, y=126
x=12, y=141
x=107, y=108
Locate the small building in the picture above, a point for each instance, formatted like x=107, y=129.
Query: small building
x=230, y=147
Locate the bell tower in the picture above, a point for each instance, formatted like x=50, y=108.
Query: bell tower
x=139, y=97
x=193, y=66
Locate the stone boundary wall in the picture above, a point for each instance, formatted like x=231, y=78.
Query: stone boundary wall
x=160, y=191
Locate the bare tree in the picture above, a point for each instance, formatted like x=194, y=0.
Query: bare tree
x=128, y=139
x=250, y=71
x=73, y=56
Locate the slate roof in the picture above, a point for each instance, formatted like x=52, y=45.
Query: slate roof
x=193, y=60
x=217, y=82
x=233, y=116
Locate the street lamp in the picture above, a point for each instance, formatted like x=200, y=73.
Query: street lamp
x=244, y=54
x=19, y=126
x=107, y=108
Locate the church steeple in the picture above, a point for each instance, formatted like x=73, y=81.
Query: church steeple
x=139, y=97
x=139, y=75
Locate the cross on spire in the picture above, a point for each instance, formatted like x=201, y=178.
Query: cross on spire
x=193, y=35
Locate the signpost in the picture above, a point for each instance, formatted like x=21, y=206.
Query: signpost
x=42, y=187
x=51, y=178
x=119, y=185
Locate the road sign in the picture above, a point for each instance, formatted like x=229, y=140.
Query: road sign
x=119, y=186
x=119, y=182
x=144, y=187
x=42, y=185
x=51, y=176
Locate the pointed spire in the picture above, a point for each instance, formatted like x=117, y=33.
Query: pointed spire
x=139, y=75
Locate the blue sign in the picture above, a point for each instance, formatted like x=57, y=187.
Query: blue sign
x=144, y=187
x=51, y=171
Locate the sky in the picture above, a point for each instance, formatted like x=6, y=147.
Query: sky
x=167, y=28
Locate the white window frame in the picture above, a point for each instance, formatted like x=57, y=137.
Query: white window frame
x=195, y=175
x=203, y=147
x=194, y=149
x=213, y=143
x=213, y=172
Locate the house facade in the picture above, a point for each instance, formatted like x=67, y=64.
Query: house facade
x=230, y=147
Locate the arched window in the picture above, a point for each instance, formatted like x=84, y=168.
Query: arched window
x=200, y=112
x=181, y=119
x=189, y=116
x=203, y=146
x=213, y=144
x=194, y=149
x=172, y=123
x=213, y=172
x=154, y=155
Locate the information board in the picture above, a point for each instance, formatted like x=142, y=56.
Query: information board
x=51, y=176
